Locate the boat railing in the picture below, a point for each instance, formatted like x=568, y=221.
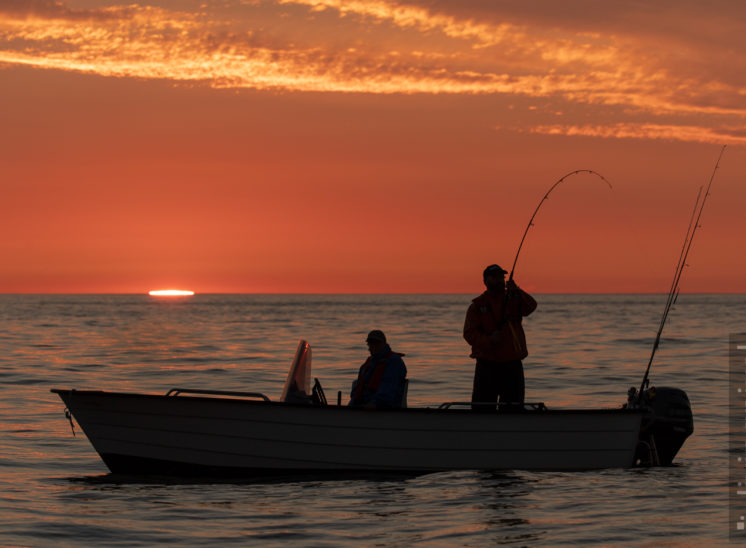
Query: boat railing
x=178, y=391
x=538, y=406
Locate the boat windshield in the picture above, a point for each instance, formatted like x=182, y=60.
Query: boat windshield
x=298, y=384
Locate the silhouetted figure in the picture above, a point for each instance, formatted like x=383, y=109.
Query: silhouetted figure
x=380, y=381
x=493, y=327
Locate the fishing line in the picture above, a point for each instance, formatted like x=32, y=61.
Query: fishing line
x=673, y=293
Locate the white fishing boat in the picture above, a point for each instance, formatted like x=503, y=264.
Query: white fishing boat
x=217, y=433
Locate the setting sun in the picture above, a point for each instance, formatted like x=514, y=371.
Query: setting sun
x=170, y=293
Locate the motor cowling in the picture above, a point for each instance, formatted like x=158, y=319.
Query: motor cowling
x=667, y=424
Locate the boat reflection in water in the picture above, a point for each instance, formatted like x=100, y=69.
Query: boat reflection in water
x=233, y=434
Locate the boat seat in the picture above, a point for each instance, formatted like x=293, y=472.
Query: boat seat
x=405, y=388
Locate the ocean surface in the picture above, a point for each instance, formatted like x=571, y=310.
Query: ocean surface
x=585, y=352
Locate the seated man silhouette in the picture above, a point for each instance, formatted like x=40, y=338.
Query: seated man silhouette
x=381, y=380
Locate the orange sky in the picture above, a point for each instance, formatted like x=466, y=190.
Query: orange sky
x=368, y=145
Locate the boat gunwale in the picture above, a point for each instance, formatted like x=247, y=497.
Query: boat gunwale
x=351, y=409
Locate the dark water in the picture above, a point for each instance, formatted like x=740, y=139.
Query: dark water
x=586, y=351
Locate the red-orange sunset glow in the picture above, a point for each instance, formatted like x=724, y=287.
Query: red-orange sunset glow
x=337, y=146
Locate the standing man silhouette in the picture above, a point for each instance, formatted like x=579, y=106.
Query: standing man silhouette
x=493, y=327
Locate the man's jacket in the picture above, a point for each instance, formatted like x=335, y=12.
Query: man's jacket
x=487, y=314
x=380, y=380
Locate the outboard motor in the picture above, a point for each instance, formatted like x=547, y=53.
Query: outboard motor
x=667, y=423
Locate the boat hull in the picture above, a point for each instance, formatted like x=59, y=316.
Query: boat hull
x=209, y=436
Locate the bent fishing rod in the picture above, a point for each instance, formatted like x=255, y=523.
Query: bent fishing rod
x=531, y=223
x=546, y=196
x=673, y=293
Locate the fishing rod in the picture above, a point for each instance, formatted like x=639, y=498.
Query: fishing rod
x=673, y=293
x=531, y=221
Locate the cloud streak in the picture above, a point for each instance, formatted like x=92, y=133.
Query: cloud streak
x=668, y=132
x=386, y=47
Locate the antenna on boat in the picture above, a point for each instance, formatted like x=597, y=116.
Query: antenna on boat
x=531, y=221
x=673, y=293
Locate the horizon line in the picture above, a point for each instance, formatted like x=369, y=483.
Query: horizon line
x=196, y=294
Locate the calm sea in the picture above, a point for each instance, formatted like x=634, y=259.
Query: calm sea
x=585, y=351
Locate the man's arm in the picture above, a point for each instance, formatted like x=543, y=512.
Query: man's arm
x=473, y=332
x=527, y=304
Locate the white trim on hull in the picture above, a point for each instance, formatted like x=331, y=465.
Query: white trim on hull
x=136, y=433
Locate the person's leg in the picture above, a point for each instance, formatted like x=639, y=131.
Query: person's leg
x=485, y=386
x=511, y=384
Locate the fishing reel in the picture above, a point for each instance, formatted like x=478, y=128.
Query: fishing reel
x=633, y=398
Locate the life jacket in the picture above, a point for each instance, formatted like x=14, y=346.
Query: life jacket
x=496, y=315
x=374, y=381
